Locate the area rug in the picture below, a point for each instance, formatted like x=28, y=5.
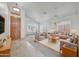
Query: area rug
x=51, y=45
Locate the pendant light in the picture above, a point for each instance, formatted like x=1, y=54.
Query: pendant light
x=16, y=8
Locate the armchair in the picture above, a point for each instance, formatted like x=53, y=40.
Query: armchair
x=68, y=49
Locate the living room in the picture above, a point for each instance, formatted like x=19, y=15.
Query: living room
x=53, y=25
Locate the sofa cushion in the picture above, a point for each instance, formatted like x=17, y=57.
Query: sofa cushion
x=63, y=36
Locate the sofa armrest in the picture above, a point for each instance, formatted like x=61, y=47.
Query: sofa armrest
x=68, y=51
x=67, y=44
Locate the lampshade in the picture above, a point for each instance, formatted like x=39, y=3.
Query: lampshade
x=73, y=31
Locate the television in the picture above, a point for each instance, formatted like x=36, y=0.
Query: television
x=2, y=24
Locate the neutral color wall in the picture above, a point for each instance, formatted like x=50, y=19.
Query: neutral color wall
x=74, y=20
x=4, y=13
x=24, y=23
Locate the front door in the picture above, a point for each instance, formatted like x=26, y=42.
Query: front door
x=15, y=27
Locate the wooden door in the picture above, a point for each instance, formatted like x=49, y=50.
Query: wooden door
x=15, y=27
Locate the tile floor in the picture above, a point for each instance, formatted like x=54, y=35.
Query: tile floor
x=28, y=48
x=23, y=48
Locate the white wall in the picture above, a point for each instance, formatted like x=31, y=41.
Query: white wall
x=25, y=21
x=22, y=23
x=4, y=13
x=44, y=27
x=74, y=20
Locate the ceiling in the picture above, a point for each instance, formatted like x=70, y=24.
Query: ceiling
x=43, y=11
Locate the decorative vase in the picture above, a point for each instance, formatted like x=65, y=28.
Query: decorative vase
x=2, y=41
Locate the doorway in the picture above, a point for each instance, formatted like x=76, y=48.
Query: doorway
x=15, y=27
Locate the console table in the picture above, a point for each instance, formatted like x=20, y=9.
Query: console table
x=6, y=49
